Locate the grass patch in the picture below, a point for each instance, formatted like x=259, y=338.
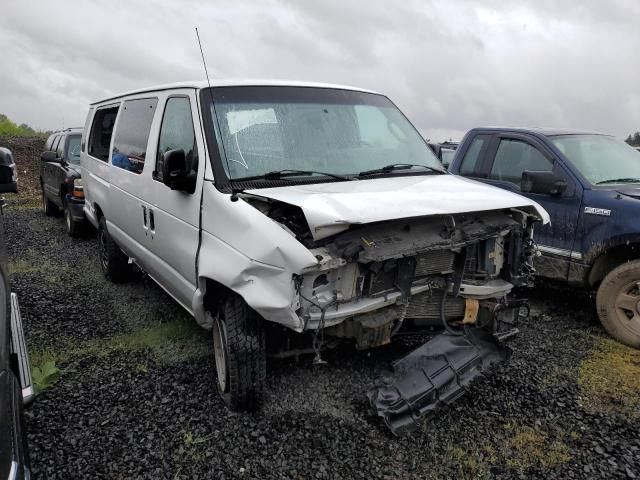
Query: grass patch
x=45, y=268
x=609, y=378
x=472, y=461
x=530, y=447
x=164, y=342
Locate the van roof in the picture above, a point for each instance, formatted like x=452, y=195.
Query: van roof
x=198, y=84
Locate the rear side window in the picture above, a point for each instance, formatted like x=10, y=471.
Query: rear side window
x=177, y=133
x=47, y=146
x=101, y=131
x=514, y=157
x=60, y=147
x=470, y=163
x=132, y=134
x=54, y=144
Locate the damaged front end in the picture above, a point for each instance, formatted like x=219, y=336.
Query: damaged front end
x=439, y=271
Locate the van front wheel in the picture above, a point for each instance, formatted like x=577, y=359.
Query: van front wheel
x=240, y=355
x=618, y=302
x=114, y=263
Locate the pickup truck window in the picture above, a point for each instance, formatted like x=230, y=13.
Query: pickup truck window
x=514, y=157
x=469, y=164
x=601, y=159
x=177, y=132
x=132, y=134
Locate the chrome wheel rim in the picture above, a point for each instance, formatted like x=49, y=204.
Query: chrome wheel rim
x=104, y=256
x=627, y=305
x=67, y=217
x=220, y=352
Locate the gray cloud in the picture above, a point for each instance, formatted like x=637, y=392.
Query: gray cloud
x=449, y=65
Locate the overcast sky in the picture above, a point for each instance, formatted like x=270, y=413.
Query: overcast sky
x=448, y=65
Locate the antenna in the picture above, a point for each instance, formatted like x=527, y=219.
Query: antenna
x=234, y=191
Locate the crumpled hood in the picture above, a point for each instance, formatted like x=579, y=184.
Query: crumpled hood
x=331, y=207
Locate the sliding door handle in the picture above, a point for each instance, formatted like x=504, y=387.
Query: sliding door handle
x=144, y=216
x=152, y=221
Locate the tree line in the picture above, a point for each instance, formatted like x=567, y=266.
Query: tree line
x=633, y=139
x=11, y=129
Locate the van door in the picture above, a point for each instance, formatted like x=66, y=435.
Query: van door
x=175, y=214
x=510, y=157
x=130, y=193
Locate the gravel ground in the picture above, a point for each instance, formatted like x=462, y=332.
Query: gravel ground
x=137, y=397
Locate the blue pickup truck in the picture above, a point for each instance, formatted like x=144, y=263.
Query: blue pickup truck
x=590, y=185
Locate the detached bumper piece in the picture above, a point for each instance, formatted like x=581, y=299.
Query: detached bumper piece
x=434, y=375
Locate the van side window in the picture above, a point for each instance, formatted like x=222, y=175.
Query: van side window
x=514, y=157
x=132, y=134
x=176, y=133
x=470, y=164
x=101, y=131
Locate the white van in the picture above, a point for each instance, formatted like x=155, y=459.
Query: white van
x=318, y=208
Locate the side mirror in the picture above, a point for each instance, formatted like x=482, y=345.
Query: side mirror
x=49, y=156
x=175, y=172
x=8, y=183
x=542, y=182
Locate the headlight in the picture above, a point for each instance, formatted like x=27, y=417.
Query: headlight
x=78, y=188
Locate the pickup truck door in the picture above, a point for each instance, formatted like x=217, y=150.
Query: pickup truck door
x=507, y=156
x=176, y=214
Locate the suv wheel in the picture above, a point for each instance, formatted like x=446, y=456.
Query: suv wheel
x=50, y=208
x=240, y=355
x=114, y=263
x=74, y=229
x=618, y=302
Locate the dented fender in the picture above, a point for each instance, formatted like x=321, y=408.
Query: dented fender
x=252, y=255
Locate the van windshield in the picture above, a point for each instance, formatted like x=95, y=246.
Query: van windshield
x=340, y=132
x=603, y=160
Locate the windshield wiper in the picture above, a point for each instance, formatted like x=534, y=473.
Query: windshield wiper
x=280, y=174
x=619, y=180
x=396, y=166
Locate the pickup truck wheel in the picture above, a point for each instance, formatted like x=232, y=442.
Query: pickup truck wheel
x=618, y=302
x=74, y=229
x=240, y=355
x=50, y=208
x=114, y=263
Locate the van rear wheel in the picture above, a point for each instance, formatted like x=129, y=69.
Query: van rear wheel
x=240, y=355
x=114, y=263
x=618, y=302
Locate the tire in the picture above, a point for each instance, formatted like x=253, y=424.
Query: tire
x=50, y=209
x=74, y=229
x=114, y=263
x=240, y=354
x=618, y=303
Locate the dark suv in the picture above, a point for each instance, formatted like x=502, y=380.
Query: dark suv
x=60, y=178
x=16, y=388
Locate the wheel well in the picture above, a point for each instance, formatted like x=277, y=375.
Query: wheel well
x=98, y=210
x=215, y=293
x=610, y=259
